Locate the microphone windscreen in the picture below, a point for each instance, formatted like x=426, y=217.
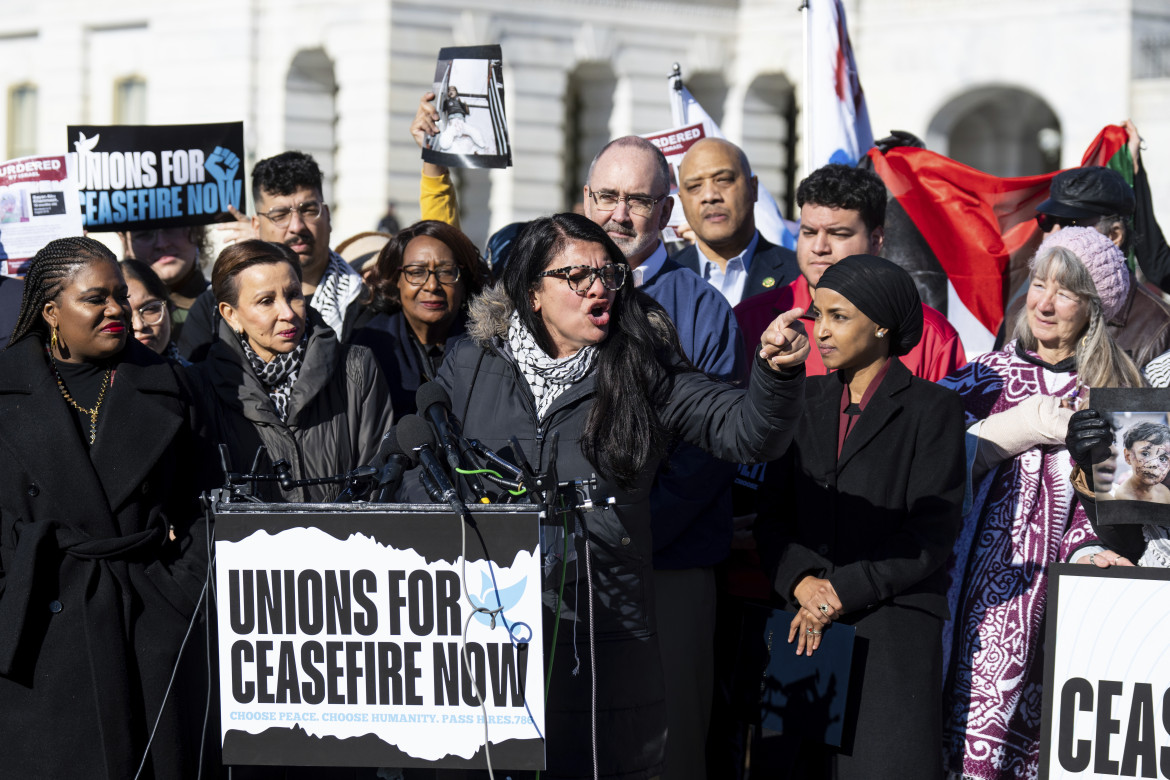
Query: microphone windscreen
x=413, y=432
x=390, y=446
x=429, y=394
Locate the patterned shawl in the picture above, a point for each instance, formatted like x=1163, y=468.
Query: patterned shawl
x=1022, y=520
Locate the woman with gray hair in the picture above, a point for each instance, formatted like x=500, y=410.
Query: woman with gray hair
x=1023, y=517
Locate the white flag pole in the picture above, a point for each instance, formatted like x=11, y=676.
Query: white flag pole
x=806, y=102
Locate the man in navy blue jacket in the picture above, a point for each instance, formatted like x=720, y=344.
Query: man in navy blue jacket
x=718, y=194
x=628, y=195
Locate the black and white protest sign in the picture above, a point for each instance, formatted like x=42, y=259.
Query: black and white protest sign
x=140, y=177
x=341, y=638
x=1107, y=676
x=469, y=90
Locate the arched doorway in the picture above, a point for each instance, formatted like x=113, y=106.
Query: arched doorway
x=588, y=111
x=769, y=137
x=710, y=90
x=1001, y=130
x=310, y=114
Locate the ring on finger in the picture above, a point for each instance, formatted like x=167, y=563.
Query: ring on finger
x=1093, y=558
x=824, y=608
x=813, y=631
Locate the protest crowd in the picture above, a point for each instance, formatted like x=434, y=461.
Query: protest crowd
x=777, y=431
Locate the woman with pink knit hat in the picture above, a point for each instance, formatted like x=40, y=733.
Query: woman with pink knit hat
x=1023, y=515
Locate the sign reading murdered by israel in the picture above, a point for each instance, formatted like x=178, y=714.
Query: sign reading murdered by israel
x=141, y=177
x=380, y=638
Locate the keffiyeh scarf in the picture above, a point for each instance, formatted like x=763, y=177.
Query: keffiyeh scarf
x=277, y=375
x=337, y=290
x=547, y=377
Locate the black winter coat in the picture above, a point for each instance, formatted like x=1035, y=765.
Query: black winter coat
x=337, y=413
x=879, y=523
x=95, y=598
x=493, y=401
x=398, y=354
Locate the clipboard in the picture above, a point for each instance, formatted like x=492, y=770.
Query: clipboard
x=804, y=695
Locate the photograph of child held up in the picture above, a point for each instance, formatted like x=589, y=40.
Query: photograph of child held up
x=473, y=131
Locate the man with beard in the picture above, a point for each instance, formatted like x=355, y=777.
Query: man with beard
x=291, y=210
x=628, y=195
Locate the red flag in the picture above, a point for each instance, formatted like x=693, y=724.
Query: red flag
x=981, y=228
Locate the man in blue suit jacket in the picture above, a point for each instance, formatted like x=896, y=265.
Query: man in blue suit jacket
x=718, y=195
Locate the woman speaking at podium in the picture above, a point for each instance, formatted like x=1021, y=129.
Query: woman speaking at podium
x=565, y=344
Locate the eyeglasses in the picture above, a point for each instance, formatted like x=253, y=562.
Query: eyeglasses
x=153, y=312
x=419, y=274
x=309, y=211
x=1047, y=222
x=581, y=277
x=639, y=205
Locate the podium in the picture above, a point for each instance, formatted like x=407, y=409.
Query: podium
x=383, y=635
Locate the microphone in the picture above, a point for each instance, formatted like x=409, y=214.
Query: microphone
x=414, y=434
x=432, y=400
x=357, y=485
x=492, y=456
x=395, y=463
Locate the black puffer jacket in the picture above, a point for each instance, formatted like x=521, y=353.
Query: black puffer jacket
x=338, y=411
x=493, y=401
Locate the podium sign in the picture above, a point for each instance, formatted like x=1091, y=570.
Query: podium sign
x=1107, y=673
x=347, y=637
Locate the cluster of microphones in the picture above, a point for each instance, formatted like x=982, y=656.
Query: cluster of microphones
x=454, y=470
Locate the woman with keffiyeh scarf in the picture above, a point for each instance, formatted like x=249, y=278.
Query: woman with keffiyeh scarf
x=278, y=378
x=564, y=344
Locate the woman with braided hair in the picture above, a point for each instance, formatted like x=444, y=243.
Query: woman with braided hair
x=103, y=554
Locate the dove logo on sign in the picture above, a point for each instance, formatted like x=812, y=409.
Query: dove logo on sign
x=497, y=600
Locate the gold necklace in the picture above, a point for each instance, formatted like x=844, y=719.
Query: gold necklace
x=93, y=413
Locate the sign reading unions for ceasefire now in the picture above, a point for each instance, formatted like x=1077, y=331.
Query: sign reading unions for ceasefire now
x=1107, y=675
x=140, y=177
x=344, y=647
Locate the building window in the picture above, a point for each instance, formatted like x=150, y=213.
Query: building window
x=130, y=101
x=22, y=120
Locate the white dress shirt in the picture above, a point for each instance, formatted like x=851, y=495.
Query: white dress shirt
x=732, y=280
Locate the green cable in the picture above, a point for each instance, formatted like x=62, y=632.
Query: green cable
x=519, y=492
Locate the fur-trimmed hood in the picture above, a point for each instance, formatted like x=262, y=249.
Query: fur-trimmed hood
x=488, y=315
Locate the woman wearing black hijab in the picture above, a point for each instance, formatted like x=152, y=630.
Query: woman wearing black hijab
x=857, y=519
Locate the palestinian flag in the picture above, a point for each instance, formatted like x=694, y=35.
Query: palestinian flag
x=981, y=228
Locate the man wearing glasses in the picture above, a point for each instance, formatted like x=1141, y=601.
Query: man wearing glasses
x=628, y=195
x=291, y=210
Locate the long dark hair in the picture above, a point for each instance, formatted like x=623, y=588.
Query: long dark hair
x=635, y=363
x=48, y=273
x=473, y=273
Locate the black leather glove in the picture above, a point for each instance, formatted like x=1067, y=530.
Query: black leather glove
x=1089, y=437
